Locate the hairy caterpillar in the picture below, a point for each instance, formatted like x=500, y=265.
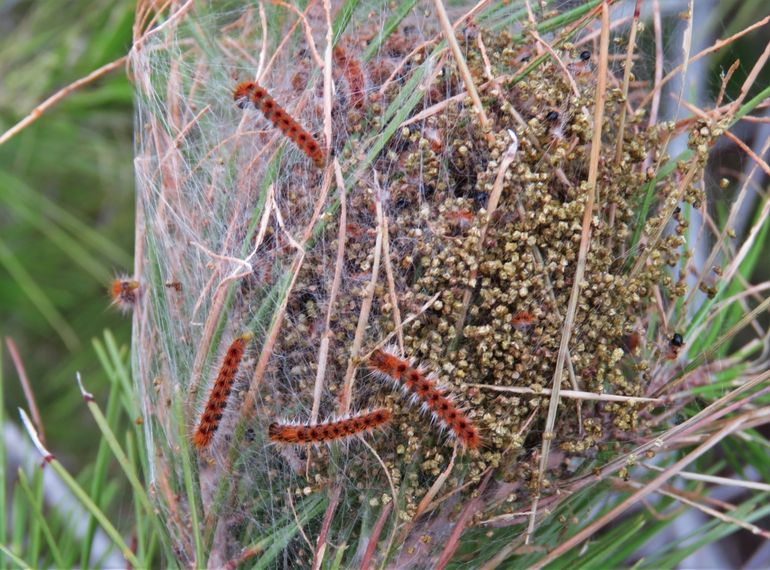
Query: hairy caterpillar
x=329, y=431
x=415, y=382
x=353, y=74
x=249, y=91
x=124, y=293
x=217, y=402
x=522, y=319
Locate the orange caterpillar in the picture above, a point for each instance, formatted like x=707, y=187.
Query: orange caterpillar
x=124, y=293
x=353, y=74
x=522, y=319
x=249, y=91
x=423, y=388
x=217, y=401
x=329, y=431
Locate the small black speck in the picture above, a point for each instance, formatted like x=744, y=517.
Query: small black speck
x=552, y=116
x=677, y=340
x=585, y=55
x=402, y=203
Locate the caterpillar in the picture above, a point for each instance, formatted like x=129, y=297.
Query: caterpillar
x=522, y=319
x=217, y=402
x=353, y=74
x=249, y=91
x=416, y=382
x=124, y=293
x=329, y=431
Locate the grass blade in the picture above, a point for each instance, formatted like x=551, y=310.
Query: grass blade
x=80, y=494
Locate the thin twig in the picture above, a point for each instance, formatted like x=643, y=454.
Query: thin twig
x=724, y=481
x=26, y=387
x=759, y=65
x=265, y=35
x=407, y=321
x=649, y=488
x=585, y=240
x=470, y=509
x=462, y=67
x=437, y=484
x=297, y=521
x=719, y=44
x=38, y=111
x=308, y=30
x=494, y=199
x=393, y=494
x=320, y=549
x=374, y=536
x=658, y=76
x=576, y=394
x=323, y=352
x=626, y=80
x=389, y=274
x=559, y=61
x=363, y=316
x=679, y=496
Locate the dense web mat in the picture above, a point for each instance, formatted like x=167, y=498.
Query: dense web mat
x=354, y=276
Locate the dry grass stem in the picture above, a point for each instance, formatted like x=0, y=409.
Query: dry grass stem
x=585, y=240
x=462, y=66
x=38, y=111
x=578, y=395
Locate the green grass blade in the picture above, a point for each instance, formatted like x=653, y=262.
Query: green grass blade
x=37, y=513
x=281, y=538
x=140, y=516
x=98, y=480
x=80, y=494
x=120, y=375
x=38, y=297
x=19, y=521
x=36, y=505
x=70, y=246
x=13, y=558
x=392, y=23
x=112, y=442
x=191, y=486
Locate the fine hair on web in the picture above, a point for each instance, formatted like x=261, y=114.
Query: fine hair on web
x=239, y=234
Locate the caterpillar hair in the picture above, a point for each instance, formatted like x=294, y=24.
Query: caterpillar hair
x=329, y=431
x=417, y=383
x=124, y=293
x=353, y=74
x=250, y=91
x=217, y=402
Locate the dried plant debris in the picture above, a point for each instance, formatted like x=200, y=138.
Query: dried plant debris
x=434, y=181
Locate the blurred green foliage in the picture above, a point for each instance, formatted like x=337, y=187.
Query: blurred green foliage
x=66, y=199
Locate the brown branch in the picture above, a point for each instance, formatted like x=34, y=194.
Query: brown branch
x=320, y=549
x=471, y=507
x=38, y=111
x=29, y=395
x=366, y=561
